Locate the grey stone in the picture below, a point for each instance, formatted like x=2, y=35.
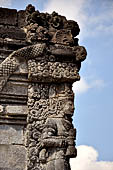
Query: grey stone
x=12, y=33
x=21, y=18
x=1, y=108
x=15, y=88
x=12, y=157
x=11, y=134
x=8, y=16
x=18, y=110
x=40, y=58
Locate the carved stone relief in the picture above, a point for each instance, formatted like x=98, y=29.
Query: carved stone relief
x=50, y=133
x=53, y=59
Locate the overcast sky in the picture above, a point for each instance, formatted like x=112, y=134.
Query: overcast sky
x=94, y=93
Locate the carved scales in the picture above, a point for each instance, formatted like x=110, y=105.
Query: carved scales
x=53, y=59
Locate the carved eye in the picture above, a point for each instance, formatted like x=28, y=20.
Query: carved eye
x=50, y=133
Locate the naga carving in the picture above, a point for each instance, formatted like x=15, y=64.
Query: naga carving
x=53, y=58
x=12, y=62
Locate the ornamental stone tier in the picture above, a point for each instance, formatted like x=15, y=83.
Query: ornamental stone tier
x=40, y=58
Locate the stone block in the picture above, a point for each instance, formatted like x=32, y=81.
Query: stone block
x=18, y=110
x=12, y=33
x=15, y=88
x=11, y=134
x=21, y=18
x=8, y=16
x=12, y=120
x=12, y=157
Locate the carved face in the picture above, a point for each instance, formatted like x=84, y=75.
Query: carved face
x=69, y=107
x=48, y=132
x=63, y=36
x=50, y=129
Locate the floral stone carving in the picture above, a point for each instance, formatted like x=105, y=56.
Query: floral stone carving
x=53, y=59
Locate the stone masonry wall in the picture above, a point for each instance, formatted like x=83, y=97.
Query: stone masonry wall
x=13, y=98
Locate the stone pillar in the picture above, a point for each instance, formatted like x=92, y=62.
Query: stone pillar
x=50, y=132
x=52, y=58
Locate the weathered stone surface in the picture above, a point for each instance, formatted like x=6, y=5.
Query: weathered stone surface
x=17, y=89
x=40, y=58
x=11, y=134
x=1, y=109
x=8, y=16
x=12, y=120
x=12, y=157
x=21, y=18
x=12, y=33
x=16, y=110
x=52, y=71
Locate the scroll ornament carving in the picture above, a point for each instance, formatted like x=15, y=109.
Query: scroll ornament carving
x=50, y=27
x=54, y=58
x=42, y=69
x=53, y=71
x=48, y=145
x=50, y=137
